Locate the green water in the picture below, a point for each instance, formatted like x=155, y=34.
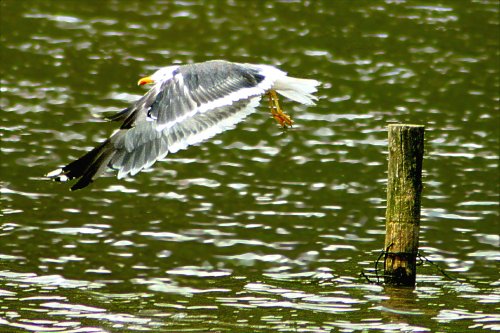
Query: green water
x=258, y=229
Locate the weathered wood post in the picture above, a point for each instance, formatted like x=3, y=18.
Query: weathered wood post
x=404, y=188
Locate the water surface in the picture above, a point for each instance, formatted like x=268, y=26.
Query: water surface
x=259, y=229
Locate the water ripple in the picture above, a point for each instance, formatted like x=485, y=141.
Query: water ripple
x=259, y=229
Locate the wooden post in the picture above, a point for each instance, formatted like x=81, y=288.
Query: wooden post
x=404, y=188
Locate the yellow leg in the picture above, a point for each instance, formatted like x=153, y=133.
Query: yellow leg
x=282, y=118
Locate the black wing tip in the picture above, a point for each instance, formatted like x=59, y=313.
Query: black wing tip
x=116, y=116
x=86, y=168
x=59, y=176
x=82, y=183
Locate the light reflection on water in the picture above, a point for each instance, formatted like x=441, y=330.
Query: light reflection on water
x=258, y=229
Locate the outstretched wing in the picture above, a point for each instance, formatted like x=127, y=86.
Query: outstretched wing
x=198, y=88
x=203, y=87
x=197, y=102
x=141, y=146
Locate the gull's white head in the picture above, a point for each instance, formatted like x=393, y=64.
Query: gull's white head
x=161, y=75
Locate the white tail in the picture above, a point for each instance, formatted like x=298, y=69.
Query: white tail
x=299, y=90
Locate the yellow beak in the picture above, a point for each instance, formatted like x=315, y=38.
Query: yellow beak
x=145, y=80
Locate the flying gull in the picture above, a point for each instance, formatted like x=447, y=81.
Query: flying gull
x=186, y=105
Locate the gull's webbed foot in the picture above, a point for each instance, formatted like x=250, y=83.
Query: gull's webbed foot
x=281, y=117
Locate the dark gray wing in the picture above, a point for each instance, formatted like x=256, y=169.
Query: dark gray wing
x=198, y=102
x=202, y=87
x=139, y=147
